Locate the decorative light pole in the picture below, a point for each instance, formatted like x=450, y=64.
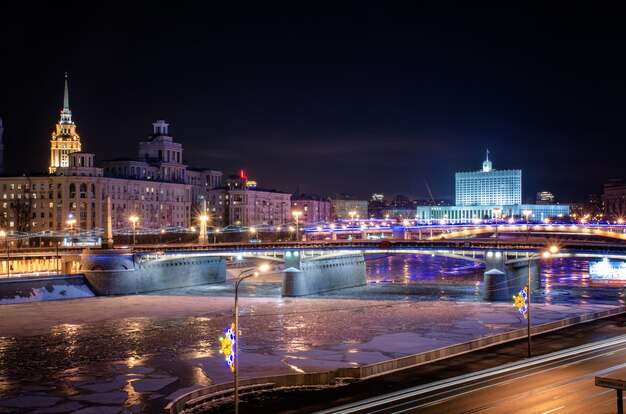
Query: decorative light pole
x=244, y=275
x=522, y=300
x=296, y=214
x=133, y=219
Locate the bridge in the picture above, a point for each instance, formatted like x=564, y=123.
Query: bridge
x=508, y=252
x=316, y=266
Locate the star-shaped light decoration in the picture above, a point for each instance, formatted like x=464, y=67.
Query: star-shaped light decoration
x=228, y=346
x=521, y=302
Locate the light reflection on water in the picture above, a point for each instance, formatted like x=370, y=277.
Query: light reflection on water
x=563, y=280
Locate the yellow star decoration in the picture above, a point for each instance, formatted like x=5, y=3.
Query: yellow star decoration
x=520, y=302
x=228, y=347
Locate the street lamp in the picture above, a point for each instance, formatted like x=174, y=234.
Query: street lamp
x=203, y=220
x=547, y=253
x=244, y=275
x=133, y=219
x=527, y=214
x=496, y=213
x=5, y=236
x=70, y=222
x=296, y=214
x=352, y=214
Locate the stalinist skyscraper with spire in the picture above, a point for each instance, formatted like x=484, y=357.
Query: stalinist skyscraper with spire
x=64, y=140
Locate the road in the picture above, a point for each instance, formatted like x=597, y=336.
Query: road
x=561, y=382
x=498, y=379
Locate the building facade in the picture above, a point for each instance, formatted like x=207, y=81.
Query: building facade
x=313, y=209
x=160, y=159
x=241, y=203
x=71, y=196
x=615, y=200
x=487, y=195
x=346, y=208
x=488, y=187
x=34, y=203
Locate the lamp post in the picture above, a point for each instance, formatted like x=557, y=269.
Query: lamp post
x=296, y=214
x=527, y=214
x=204, y=218
x=57, y=251
x=5, y=236
x=215, y=232
x=70, y=222
x=496, y=213
x=244, y=275
x=352, y=214
x=133, y=219
x=552, y=250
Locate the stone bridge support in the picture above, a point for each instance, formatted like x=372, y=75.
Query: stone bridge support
x=502, y=280
x=520, y=275
x=308, y=276
x=121, y=272
x=496, y=279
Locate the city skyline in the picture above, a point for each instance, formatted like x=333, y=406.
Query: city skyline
x=352, y=98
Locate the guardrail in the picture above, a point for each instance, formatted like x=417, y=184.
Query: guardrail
x=180, y=404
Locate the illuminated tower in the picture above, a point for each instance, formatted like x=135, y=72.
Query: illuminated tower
x=65, y=140
x=1, y=149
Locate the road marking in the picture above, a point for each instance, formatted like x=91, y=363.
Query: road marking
x=553, y=410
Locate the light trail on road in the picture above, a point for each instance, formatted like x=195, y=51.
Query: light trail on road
x=559, y=382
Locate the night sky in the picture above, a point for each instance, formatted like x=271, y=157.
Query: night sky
x=329, y=97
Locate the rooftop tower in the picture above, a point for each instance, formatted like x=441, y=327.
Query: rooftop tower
x=64, y=140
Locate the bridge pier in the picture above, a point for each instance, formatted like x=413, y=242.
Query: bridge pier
x=308, y=276
x=121, y=272
x=496, y=278
x=502, y=280
x=520, y=275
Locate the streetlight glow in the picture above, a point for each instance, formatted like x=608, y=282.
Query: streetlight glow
x=296, y=215
x=134, y=219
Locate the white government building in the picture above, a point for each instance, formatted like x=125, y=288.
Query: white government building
x=489, y=194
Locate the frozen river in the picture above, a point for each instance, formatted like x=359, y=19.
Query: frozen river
x=134, y=353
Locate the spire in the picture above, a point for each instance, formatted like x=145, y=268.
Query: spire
x=66, y=95
x=66, y=114
x=487, y=164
